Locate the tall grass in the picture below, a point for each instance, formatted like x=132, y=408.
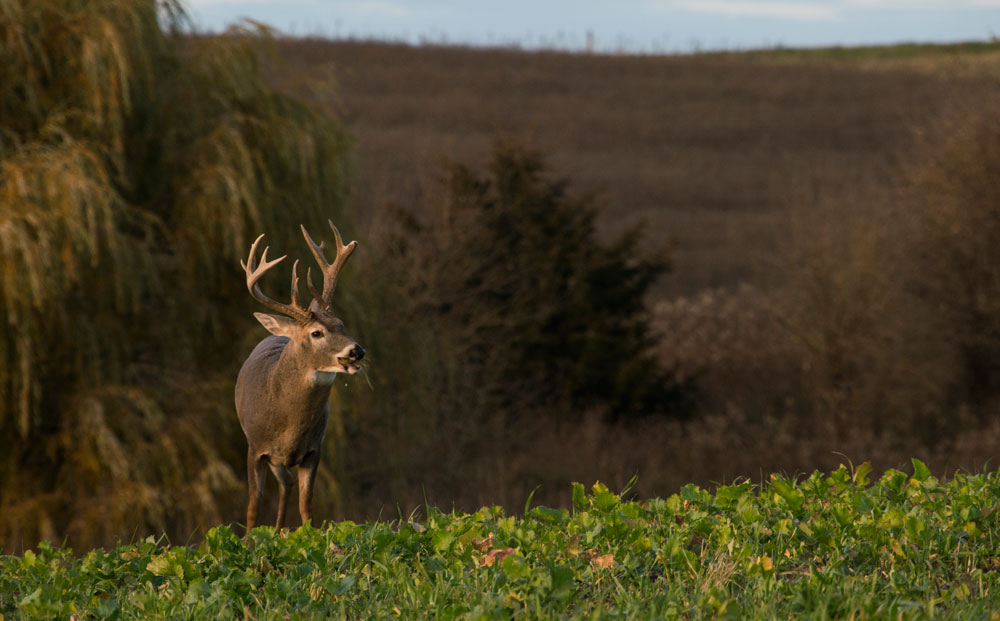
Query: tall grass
x=886, y=323
x=489, y=304
x=848, y=345
x=136, y=164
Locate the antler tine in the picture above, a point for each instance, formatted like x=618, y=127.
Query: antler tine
x=253, y=255
x=295, y=284
x=336, y=237
x=330, y=275
x=254, y=273
x=317, y=250
x=309, y=281
x=330, y=270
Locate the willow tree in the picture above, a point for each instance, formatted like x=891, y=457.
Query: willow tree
x=137, y=162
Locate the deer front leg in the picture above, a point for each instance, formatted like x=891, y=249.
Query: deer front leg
x=307, y=476
x=284, y=476
x=255, y=480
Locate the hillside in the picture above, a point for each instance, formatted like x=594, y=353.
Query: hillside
x=829, y=215
x=714, y=153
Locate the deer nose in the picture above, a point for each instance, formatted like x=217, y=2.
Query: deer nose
x=357, y=353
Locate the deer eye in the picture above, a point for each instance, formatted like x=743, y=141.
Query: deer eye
x=316, y=334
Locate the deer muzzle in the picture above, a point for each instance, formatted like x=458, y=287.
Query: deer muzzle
x=350, y=361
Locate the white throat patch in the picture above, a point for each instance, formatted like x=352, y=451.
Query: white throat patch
x=321, y=377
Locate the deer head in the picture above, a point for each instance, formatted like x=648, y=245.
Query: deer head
x=316, y=336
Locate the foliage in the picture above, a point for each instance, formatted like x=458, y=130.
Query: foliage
x=831, y=545
x=954, y=252
x=544, y=315
x=493, y=313
x=895, y=308
x=136, y=164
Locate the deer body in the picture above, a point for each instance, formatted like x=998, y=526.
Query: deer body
x=282, y=411
x=283, y=389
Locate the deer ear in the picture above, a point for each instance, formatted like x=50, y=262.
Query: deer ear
x=276, y=324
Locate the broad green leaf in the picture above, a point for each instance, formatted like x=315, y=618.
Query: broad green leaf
x=515, y=566
x=161, y=566
x=579, y=497
x=914, y=527
x=546, y=514
x=563, y=582
x=691, y=493
x=729, y=495
x=861, y=474
x=920, y=471
x=793, y=497
x=442, y=539
x=895, y=479
x=598, y=488
x=605, y=501
x=344, y=584
x=894, y=518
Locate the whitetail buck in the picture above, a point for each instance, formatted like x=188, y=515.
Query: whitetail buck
x=283, y=390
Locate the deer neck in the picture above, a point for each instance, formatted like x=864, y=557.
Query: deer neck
x=297, y=380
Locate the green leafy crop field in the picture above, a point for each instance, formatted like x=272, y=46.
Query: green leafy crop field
x=831, y=545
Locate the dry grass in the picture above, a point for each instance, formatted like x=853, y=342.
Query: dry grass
x=509, y=459
x=779, y=182
x=711, y=152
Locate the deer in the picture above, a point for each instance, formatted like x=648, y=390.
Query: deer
x=283, y=388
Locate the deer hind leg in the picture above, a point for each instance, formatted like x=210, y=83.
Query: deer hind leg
x=307, y=476
x=285, y=479
x=255, y=479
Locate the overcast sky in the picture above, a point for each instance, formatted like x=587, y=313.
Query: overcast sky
x=633, y=25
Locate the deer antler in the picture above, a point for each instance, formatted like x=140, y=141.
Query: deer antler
x=254, y=273
x=330, y=270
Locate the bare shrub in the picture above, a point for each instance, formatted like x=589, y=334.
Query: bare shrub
x=865, y=360
x=887, y=320
x=953, y=254
x=732, y=346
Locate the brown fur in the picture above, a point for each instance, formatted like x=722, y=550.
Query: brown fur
x=283, y=389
